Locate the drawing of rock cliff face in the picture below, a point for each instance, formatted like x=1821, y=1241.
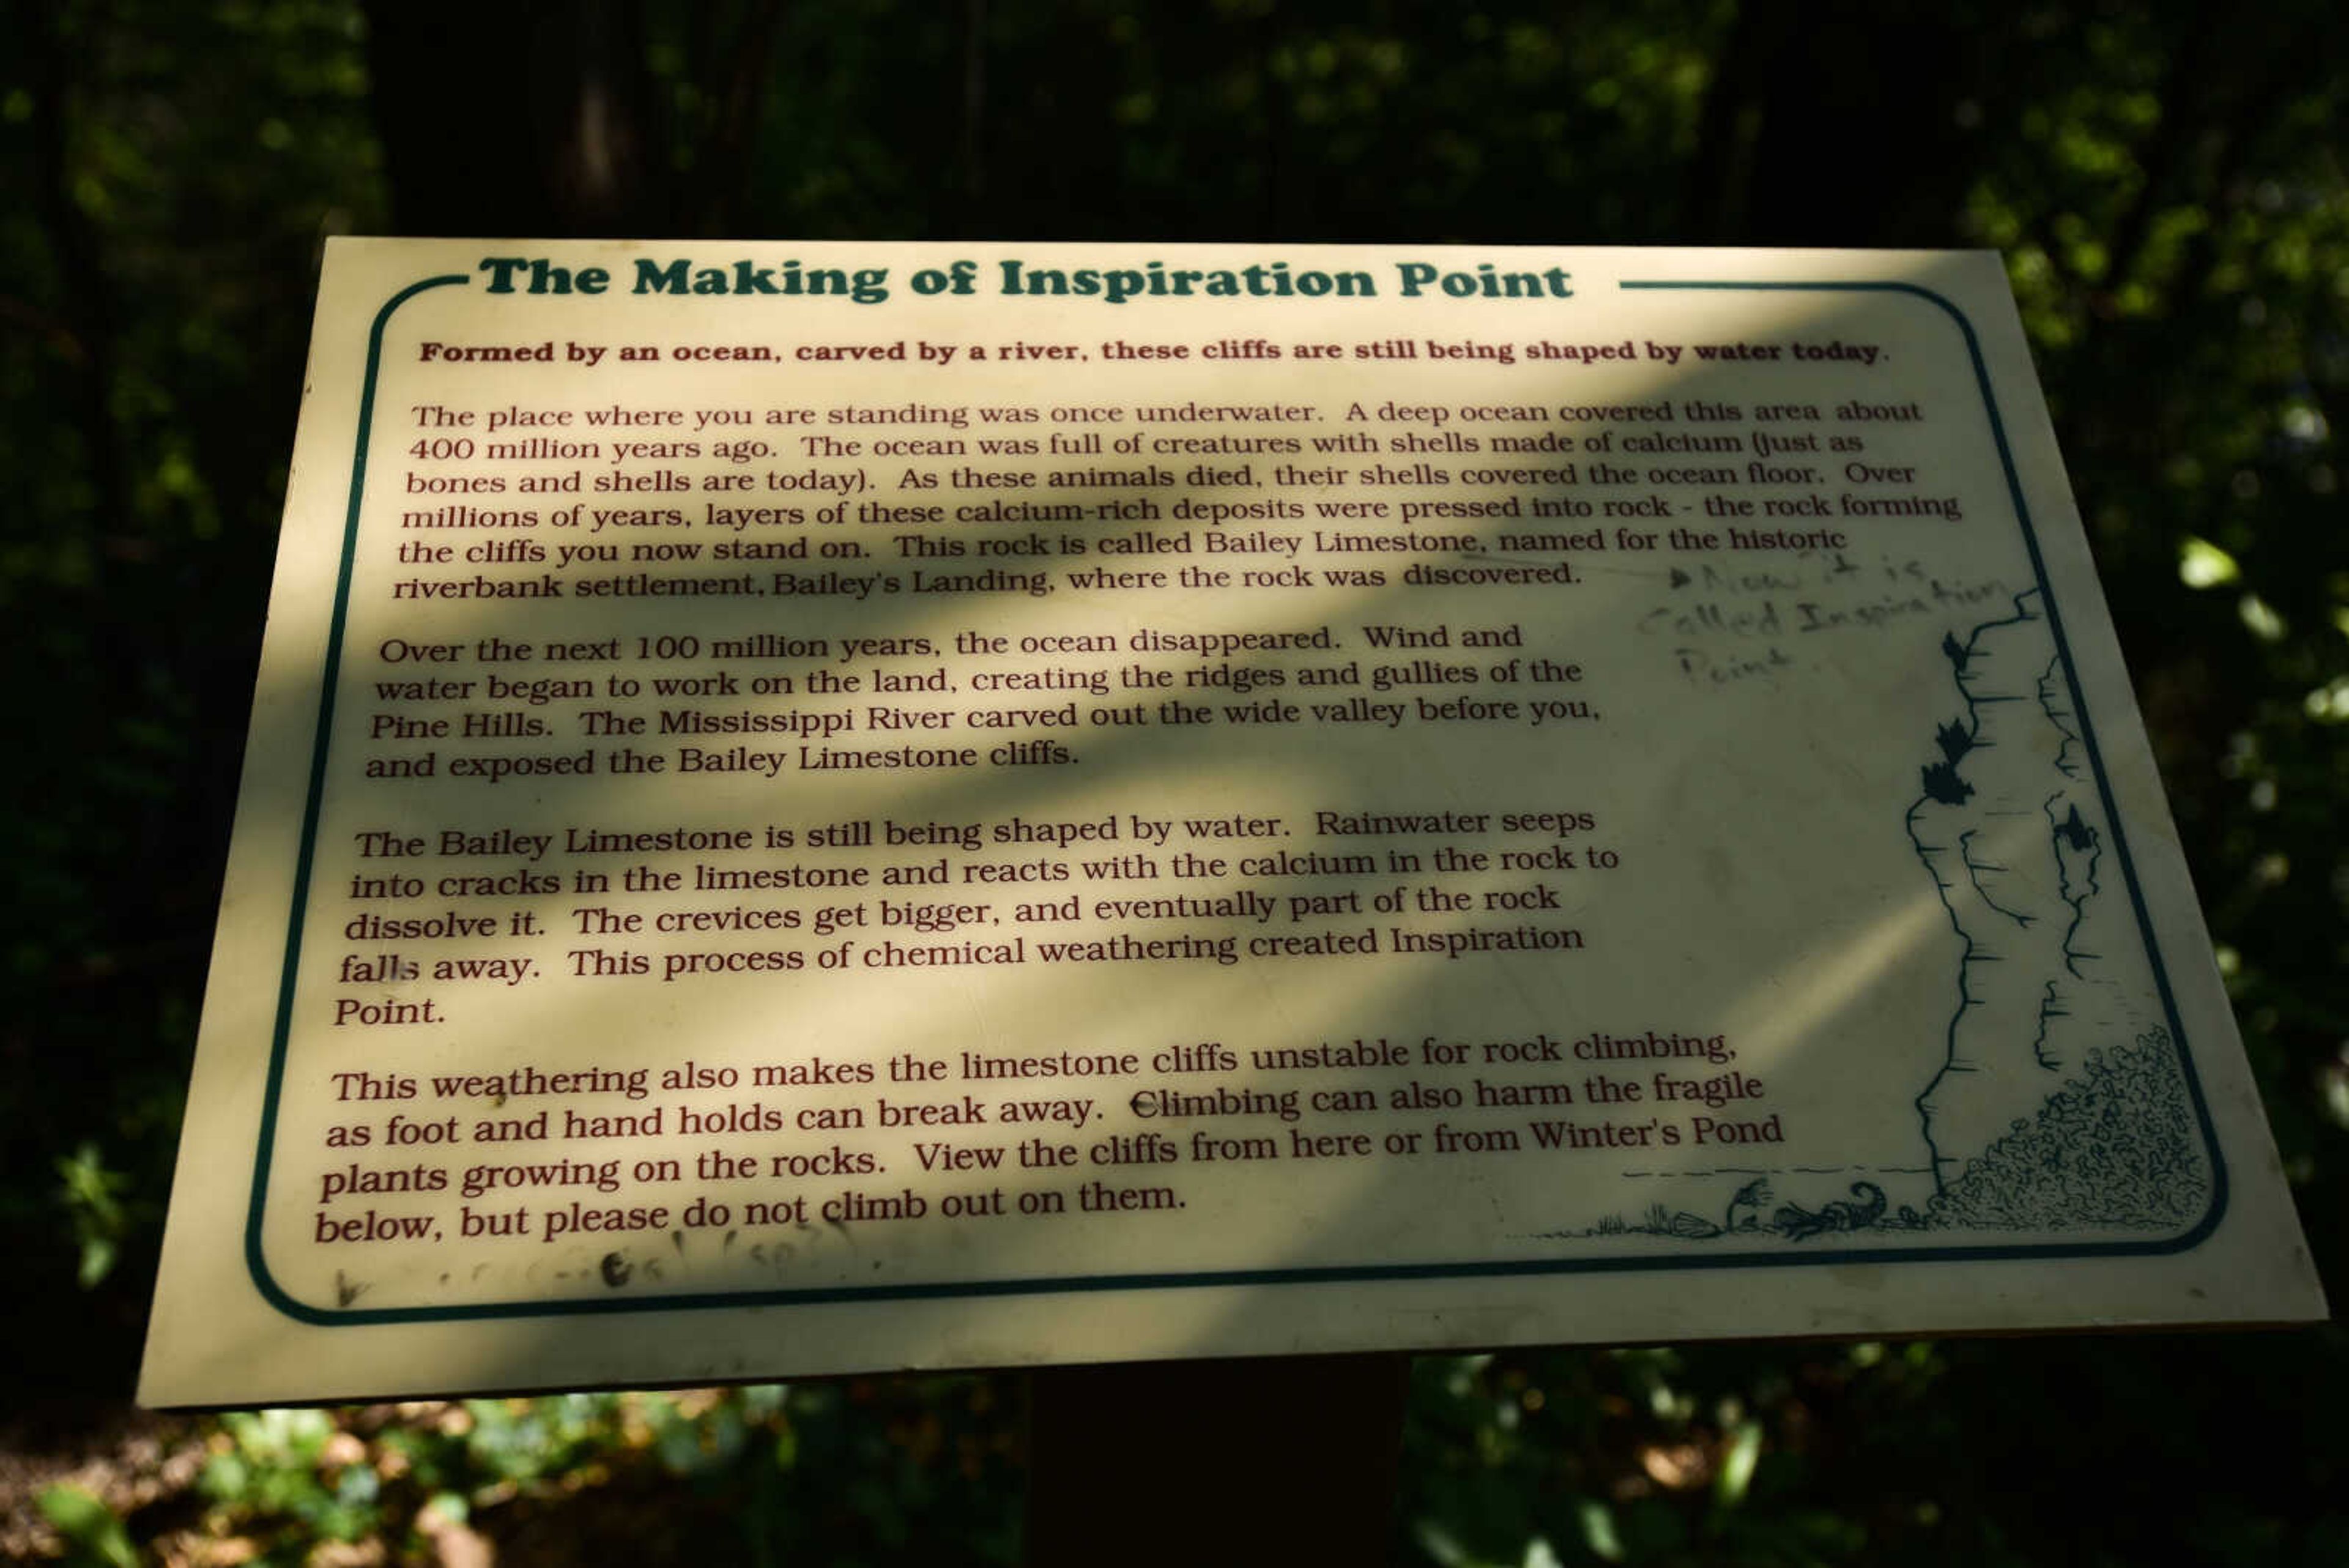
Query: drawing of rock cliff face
x=2061, y=1101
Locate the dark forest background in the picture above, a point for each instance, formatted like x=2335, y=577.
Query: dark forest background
x=2165, y=182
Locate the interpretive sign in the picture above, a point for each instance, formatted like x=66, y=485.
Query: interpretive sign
x=817, y=807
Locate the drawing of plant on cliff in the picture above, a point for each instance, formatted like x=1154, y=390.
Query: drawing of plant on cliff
x=2060, y=1102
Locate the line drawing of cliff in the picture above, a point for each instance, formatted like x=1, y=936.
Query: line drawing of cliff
x=2060, y=1102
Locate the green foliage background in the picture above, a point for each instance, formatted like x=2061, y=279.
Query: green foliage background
x=2165, y=182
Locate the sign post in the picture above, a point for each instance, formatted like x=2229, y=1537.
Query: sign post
x=1176, y=1460
x=835, y=807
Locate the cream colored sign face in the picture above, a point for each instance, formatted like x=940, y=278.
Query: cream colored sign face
x=819, y=807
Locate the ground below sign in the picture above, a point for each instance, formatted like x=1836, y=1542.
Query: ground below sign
x=826, y=807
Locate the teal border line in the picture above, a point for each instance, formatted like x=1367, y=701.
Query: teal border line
x=1790, y=1255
